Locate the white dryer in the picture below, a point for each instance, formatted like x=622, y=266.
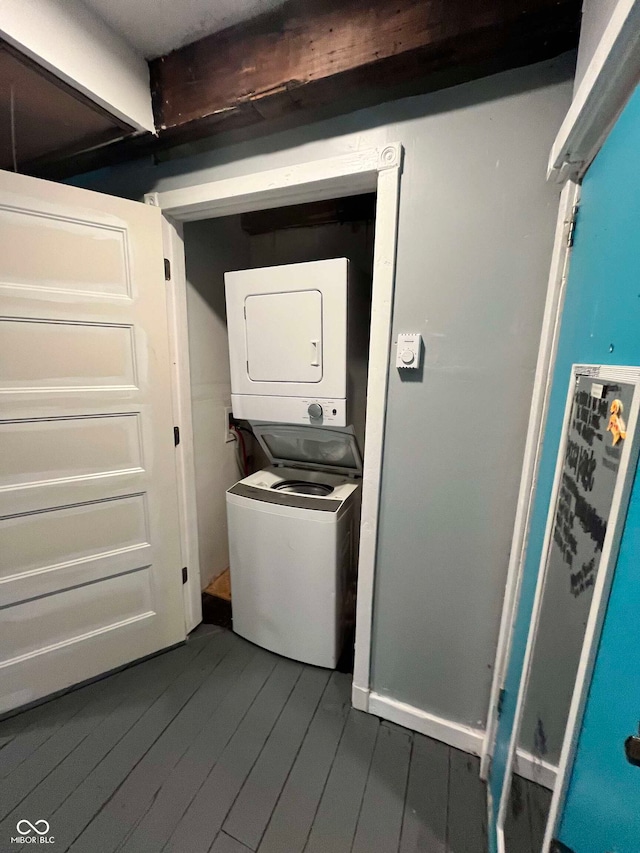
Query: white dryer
x=293, y=531
x=298, y=338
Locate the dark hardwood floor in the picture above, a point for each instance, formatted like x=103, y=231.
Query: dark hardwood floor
x=221, y=746
x=526, y=819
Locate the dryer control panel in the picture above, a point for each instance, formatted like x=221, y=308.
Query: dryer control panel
x=315, y=411
x=329, y=412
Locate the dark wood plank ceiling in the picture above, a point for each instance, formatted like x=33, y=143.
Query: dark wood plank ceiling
x=273, y=71
x=311, y=53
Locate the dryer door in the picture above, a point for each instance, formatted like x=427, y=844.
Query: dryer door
x=284, y=336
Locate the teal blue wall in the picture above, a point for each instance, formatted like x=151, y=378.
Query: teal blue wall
x=600, y=324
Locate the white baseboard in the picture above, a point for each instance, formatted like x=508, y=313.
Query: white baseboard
x=454, y=734
x=360, y=698
x=535, y=769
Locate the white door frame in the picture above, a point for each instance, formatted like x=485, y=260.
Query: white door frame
x=371, y=170
x=182, y=418
x=529, y=477
x=598, y=604
x=609, y=80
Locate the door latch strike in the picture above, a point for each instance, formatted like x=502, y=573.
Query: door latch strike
x=185, y=575
x=176, y=436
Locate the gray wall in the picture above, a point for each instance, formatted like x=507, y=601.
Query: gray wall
x=212, y=247
x=474, y=244
x=596, y=14
x=476, y=224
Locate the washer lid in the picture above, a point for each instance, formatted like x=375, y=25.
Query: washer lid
x=315, y=448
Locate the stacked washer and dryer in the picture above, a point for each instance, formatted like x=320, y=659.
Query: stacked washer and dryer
x=298, y=340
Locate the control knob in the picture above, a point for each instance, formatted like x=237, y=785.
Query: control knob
x=315, y=411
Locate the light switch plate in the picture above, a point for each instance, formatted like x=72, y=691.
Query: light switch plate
x=409, y=351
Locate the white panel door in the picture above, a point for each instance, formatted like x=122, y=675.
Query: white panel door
x=90, y=574
x=284, y=336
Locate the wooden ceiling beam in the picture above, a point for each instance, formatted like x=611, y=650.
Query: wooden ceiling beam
x=271, y=72
x=311, y=53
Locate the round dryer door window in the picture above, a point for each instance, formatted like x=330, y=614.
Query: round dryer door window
x=300, y=487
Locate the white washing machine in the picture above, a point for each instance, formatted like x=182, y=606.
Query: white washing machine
x=293, y=531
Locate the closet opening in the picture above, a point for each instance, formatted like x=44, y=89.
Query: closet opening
x=278, y=495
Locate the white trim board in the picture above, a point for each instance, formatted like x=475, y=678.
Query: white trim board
x=360, y=697
x=375, y=169
x=384, y=263
x=74, y=44
x=598, y=606
x=347, y=174
x=535, y=769
x=610, y=78
x=533, y=447
x=176, y=289
x=457, y=735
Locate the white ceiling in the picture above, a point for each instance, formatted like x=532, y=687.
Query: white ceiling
x=155, y=27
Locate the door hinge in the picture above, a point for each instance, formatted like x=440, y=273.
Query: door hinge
x=176, y=436
x=167, y=269
x=501, y=696
x=571, y=232
x=185, y=575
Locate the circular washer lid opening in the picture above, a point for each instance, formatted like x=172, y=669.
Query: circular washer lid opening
x=300, y=487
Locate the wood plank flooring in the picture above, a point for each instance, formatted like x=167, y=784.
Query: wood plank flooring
x=526, y=819
x=221, y=747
